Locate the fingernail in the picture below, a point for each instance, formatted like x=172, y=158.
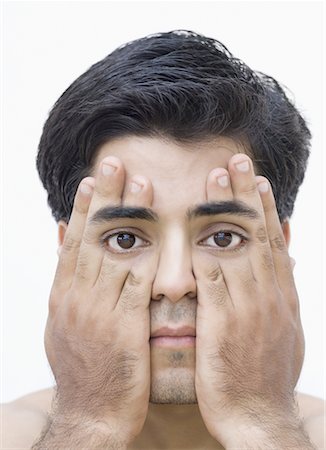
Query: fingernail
x=243, y=166
x=86, y=189
x=135, y=187
x=263, y=187
x=223, y=181
x=107, y=169
x=59, y=250
x=293, y=262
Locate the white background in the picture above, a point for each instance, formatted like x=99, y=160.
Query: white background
x=46, y=46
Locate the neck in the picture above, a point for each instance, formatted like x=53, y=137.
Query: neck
x=177, y=426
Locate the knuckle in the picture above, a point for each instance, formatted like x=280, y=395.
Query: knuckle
x=249, y=189
x=80, y=207
x=215, y=273
x=134, y=280
x=131, y=296
x=70, y=244
x=216, y=290
x=103, y=191
x=261, y=234
x=278, y=243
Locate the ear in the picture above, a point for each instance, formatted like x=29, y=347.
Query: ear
x=286, y=232
x=62, y=227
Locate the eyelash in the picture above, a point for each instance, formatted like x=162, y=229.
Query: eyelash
x=243, y=241
x=105, y=239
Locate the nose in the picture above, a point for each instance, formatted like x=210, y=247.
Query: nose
x=174, y=278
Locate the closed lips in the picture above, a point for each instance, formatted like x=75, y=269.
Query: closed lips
x=174, y=332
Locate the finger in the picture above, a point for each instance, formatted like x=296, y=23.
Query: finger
x=136, y=293
x=214, y=304
x=111, y=279
x=245, y=190
x=110, y=180
x=139, y=192
x=282, y=261
x=213, y=294
x=108, y=189
x=69, y=251
x=242, y=286
x=111, y=276
x=218, y=186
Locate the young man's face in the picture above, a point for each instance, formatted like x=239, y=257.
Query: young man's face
x=179, y=178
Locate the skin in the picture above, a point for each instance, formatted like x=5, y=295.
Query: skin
x=239, y=380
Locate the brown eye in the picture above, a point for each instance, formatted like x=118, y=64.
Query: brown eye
x=126, y=240
x=118, y=242
x=223, y=238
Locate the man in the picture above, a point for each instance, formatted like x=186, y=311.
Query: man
x=173, y=316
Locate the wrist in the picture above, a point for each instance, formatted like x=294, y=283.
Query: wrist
x=87, y=420
x=68, y=432
x=268, y=431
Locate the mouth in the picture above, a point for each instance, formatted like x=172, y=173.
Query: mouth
x=183, y=337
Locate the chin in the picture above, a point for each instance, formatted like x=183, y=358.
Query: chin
x=173, y=386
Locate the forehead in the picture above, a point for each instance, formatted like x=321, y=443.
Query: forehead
x=178, y=172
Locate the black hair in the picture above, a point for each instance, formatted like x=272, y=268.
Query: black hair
x=178, y=85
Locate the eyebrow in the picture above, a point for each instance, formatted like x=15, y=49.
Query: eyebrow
x=233, y=207
x=123, y=212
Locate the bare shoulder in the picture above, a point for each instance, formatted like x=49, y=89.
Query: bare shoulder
x=23, y=419
x=312, y=410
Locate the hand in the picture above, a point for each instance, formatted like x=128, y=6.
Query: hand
x=249, y=338
x=97, y=333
